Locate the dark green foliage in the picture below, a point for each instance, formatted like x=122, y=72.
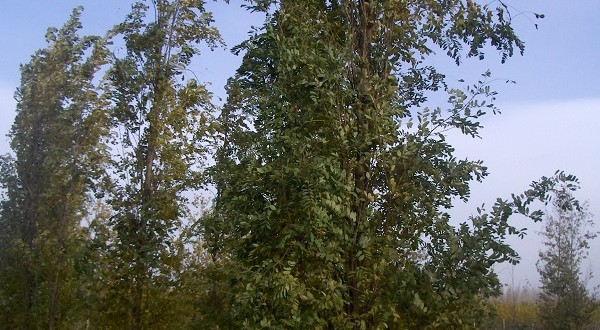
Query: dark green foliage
x=334, y=177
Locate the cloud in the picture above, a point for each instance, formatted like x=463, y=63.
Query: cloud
x=522, y=144
x=531, y=140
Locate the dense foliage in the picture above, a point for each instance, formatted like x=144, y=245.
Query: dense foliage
x=331, y=170
x=335, y=177
x=158, y=125
x=55, y=142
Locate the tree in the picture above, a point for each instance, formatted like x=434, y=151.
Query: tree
x=160, y=117
x=334, y=176
x=55, y=139
x=564, y=300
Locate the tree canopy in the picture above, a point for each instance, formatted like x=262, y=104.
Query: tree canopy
x=331, y=172
x=55, y=139
x=335, y=177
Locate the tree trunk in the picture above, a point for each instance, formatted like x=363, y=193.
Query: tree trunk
x=361, y=33
x=137, y=305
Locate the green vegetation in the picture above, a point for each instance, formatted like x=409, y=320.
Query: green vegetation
x=520, y=308
x=158, y=125
x=565, y=301
x=331, y=170
x=517, y=308
x=55, y=139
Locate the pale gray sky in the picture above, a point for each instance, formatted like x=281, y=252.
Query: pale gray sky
x=550, y=119
x=530, y=140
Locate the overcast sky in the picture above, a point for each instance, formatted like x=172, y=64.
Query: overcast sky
x=550, y=118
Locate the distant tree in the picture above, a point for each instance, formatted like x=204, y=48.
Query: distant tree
x=55, y=139
x=565, y=301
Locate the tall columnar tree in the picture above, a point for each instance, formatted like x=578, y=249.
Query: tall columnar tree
x=55, y=140
x=334, y=177
x=160, y=117
x=565, y=301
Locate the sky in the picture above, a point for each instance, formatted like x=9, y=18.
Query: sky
x=550, y=118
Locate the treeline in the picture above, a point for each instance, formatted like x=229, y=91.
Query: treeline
x=331, y=173
x=521, y=308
